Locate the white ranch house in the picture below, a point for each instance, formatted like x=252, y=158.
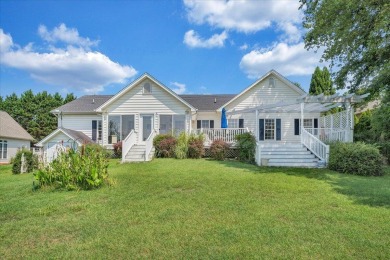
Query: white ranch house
x=286, y=122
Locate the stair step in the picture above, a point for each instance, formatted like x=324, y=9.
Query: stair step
x=296, y=164
x=284, y=150
x=285, y=153
x=288, y=156
x=293, y=160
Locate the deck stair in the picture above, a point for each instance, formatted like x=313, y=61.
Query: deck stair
x=288, y=155
x=137, y=154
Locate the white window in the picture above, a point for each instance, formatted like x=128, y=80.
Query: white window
x=205, y=123
x=233, y=123
x=271, y=82
x=147, y=89
x=3, y=149
x=269, y=129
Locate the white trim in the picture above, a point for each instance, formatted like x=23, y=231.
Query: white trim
x=40, y=143
x=271, y=72
x=133, y=84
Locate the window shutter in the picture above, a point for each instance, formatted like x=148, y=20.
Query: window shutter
x=240, y=123
x=211, y=123
x=296, y=126
x=94, y=130
x=278, y=129
x=261, y=129
x=198, y=124
x=315, y=122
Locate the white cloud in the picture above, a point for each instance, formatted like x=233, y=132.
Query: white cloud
x=243, y=16
x=291, y=32
x=179, y=88
x=193, y=40
x=70, y=67
x=244, y=47
x=286, y=59
x=66, y=35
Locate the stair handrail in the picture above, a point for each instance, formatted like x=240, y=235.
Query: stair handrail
x=149, y=144
x=258, y=153
x=127, y=143
x=315, y=145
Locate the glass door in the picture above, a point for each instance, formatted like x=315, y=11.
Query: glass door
x=147, y=125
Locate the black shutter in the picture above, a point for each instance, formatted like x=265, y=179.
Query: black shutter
x=94, y=130
x=296, y=126
x=240, y=123
x=261, y=129
x=315, y=122
x=199, y=124
x=211, y=123
x=278, y=129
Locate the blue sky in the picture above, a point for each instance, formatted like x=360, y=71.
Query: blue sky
x=194, y=47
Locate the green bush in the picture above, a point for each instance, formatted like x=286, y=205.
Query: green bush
x=30, y=159
x=84, y=169
x=246, y=144
x=355, y=158
x=218, y=149
x=165, y=146
x=384, y=148
x=181, y=149
x=195, y=146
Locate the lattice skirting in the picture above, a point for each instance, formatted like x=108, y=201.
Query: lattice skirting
x=231, y=153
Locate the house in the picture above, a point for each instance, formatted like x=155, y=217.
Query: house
x=13, y=137
x=286, y=121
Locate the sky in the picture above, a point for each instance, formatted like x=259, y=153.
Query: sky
x=192, y=47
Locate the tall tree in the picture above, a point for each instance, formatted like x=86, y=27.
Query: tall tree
x=32, y=112
x=356, y=37
x=321, y=82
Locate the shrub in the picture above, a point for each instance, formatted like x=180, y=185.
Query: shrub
x=30, y=159
x=384, y=148
x=182, y=146
x=195, y=146
x=165, y=146
x=84, y=169
x=118, y=150
x=246, y=144
x=355, y=158
x=218, y=150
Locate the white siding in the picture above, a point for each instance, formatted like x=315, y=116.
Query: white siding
x=216, y=116
x=82, y=123
x=134, y=102
x=13, y=146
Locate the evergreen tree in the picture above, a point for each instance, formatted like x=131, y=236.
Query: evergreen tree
x=321, y=82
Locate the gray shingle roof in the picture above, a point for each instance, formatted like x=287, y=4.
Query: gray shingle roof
x=207, y=102
x=78, y=136
x=84, y=104
x=88, y=103
x=11, y=129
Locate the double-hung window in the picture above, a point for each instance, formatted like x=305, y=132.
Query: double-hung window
x=3, y=149
x=310, y=124
x=236, y=123
x=204, y=124
x=270, y=129
x=97, y=132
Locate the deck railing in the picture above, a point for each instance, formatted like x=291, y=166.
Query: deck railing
x=315, y=145
x=127, y=143
x=331, y=134
x=226, y=134
x=149, y=144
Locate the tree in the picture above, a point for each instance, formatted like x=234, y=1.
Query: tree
x=32, y=112
x=356, y=37
x=321, y=82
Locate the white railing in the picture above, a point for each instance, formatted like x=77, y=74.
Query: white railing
x=258, y=154
x=226, y=134
x=149, y=144
x=331, y=134
x=129, y=141
x=315, y=145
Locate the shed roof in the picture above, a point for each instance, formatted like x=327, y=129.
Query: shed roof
x=11, y=129
x=76, y=136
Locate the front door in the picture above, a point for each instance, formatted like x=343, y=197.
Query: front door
x=146, y=126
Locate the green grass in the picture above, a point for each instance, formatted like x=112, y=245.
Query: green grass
x=199, y=209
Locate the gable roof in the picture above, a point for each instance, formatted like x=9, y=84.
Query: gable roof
x=271, y=72
x=84, y=104
x=11, y=129
x=76, y=136
x=207, y=102
x=134, y=83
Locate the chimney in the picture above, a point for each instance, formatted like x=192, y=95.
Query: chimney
x=93, y=101
x=215, y=100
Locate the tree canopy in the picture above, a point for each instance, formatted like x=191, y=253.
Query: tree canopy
x=321, y=82
x=355, y=36
x=32, y=111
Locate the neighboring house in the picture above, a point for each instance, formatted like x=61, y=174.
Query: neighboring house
x=13, y=137
x=272, y=108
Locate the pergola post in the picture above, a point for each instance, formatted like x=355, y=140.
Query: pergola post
x=257, y=125
x=302, y=107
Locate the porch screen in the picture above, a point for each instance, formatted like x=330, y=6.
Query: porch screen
x=172, y=124
x=127, y=125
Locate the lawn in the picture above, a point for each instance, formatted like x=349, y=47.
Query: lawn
x=183, y=209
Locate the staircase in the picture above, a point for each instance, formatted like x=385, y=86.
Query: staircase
x=137, y=154
x=288, y=155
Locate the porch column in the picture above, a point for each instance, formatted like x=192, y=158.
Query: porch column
x=348, y=124
x=302, y=107
x=257, y=125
